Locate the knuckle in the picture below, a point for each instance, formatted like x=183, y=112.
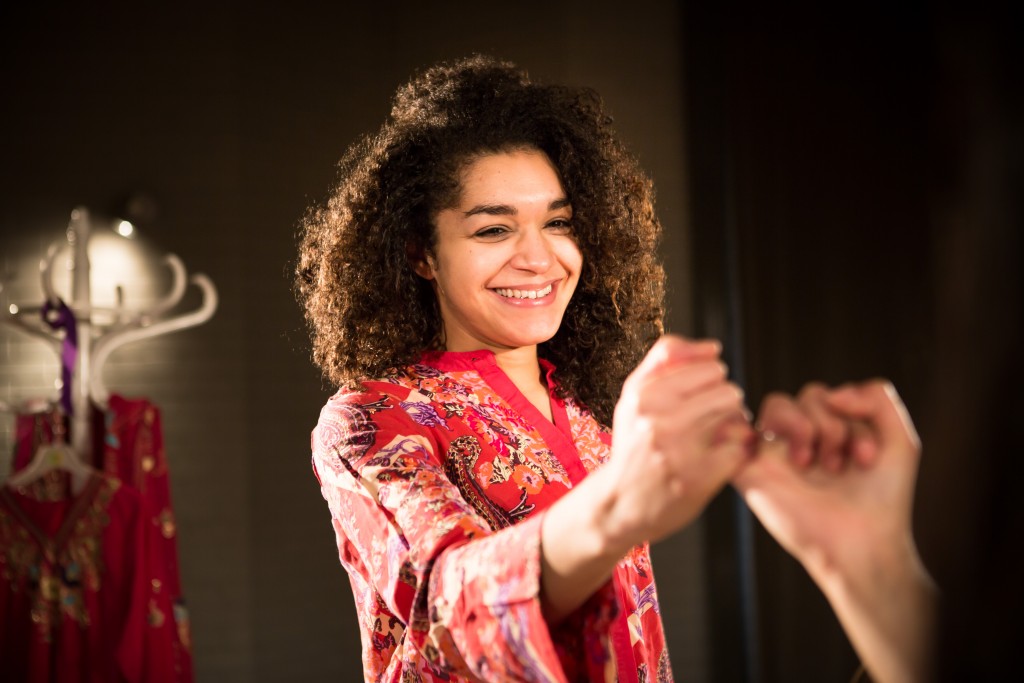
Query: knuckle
x=880, y=386
x=802, y=429
x=832, y=432
x=736, y=391
x=721, y=370
x=812, y=390
x=775, y=400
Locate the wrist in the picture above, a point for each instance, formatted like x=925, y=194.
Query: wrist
x=871, y=567
x=578, y=552
x=888, y=605
x=584, y=527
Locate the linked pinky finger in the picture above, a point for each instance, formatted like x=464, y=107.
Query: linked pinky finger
x=862, y=446
x=781, y=419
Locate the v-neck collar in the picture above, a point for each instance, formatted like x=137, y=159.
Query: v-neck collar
x=557, y=433
x=53, y=544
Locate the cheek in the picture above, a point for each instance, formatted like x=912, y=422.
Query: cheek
x=571, y=257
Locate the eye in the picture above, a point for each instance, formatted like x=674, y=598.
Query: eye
x=562, y=226
x=492, y=232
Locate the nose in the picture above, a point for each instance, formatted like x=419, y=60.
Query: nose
x=533, y=252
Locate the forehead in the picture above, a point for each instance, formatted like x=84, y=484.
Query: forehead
x=523, y=174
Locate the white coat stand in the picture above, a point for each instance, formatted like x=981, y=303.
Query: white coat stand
x=102, y=330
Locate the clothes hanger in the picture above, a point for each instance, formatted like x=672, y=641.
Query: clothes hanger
x=58, y=455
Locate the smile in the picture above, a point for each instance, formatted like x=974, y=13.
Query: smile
x=524, y=293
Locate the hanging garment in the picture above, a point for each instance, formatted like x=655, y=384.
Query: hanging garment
x=133, y=451
x=78, y=601
x=128, y=444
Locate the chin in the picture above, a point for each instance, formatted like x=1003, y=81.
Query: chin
x=530, y=338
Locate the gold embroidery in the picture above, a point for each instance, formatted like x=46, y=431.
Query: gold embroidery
x=184, y=631
x=145, y=452
x=156, y=616
x=167, y=525
x=55, y=571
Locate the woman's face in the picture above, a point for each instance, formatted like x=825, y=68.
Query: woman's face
x=505, y=263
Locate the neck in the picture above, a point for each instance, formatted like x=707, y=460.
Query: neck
x=521, y=366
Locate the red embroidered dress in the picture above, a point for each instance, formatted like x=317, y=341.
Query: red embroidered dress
x=437, y=477
x=76, y=599
x=129, y=446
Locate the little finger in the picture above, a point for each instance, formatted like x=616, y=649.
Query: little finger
x=781, y=419
x=831, y=431
x=863, y=446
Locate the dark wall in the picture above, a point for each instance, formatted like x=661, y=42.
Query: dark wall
x=230, y=117
x=856, y=200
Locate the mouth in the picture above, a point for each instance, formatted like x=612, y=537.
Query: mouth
x=524, y=293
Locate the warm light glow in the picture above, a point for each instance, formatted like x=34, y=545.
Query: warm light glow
x=125, y=229
x=126, y=263
x=13, y=309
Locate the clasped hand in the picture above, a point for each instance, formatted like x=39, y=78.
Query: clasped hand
x=829, y=473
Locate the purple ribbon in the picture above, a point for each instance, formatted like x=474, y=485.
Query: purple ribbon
x=59, y=317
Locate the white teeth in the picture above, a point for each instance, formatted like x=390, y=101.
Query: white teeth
x=524, y=294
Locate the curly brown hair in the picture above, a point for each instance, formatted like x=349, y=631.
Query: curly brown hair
x=369, y=311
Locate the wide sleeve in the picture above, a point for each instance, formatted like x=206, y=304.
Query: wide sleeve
x=469, y=597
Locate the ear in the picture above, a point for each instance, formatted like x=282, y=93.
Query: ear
x=422, y=262
x=424, y=267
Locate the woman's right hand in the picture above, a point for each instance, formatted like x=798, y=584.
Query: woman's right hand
x=680, y=433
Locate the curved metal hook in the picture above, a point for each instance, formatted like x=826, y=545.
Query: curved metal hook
x=108, y=344
x=178, y=286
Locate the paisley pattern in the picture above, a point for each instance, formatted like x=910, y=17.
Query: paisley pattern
x=460, y=463
x=432, y=474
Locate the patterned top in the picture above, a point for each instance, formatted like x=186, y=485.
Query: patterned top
x=437, y=477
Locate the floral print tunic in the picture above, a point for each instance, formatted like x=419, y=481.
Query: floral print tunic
x=437, y=477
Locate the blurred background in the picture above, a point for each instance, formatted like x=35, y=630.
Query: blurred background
x=840, y=192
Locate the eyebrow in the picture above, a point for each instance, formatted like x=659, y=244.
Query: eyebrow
x=506, y=210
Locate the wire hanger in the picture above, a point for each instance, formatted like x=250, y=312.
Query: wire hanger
x=57, y=455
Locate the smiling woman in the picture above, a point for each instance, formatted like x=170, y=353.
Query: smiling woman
x=479, y=285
